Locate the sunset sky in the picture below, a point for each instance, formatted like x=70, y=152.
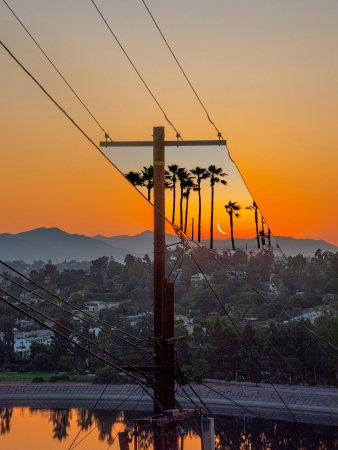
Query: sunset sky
x=265, y=70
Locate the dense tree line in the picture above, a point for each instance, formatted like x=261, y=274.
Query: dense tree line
x=215, y=348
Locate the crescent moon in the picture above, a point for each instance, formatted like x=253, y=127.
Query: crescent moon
x=219, y=228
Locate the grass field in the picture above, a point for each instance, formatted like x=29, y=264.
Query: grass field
x=15, y=377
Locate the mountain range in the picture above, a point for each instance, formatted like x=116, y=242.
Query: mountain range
x=57, y=245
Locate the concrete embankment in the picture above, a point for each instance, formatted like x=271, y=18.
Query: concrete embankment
x=308, y=405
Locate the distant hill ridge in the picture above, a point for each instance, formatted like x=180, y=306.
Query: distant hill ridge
x=57, y=245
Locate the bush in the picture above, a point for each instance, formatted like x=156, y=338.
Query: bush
x=198, y=376
x=38, y=380
x=56, y=378
x=107, y=375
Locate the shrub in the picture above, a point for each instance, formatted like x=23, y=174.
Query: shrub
x=107, y=375
x=56, y=378
x=38, y=380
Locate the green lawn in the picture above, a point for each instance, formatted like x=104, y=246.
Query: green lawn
x=27, y=377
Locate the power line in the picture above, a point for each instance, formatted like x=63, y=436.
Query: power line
x=67, y=311
x=26, y=313
x=57, y=70
x=71, y=331
x=64, y=301
x=249, y=348
x=72, y=446
x=92, y=410
x=241, y=406
x=70, y=313
x=129, y=416
x=149, y=381
x=185, y=238
x=75, y=124
x=219, y=134
x=209, y=411
x=134, y=67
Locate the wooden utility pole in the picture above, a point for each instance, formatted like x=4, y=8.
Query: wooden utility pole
x=159, y=255
x=165, y=419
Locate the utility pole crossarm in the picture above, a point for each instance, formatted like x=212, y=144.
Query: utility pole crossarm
x=166, y=143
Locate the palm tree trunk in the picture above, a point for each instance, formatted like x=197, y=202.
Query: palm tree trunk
x=199, y=212
x=212, y=218
x=186, y=212
x=232, y=231
x=263, y=232
x=174, y=203
x=149, y=190
x=181, y=209
x=257, y=232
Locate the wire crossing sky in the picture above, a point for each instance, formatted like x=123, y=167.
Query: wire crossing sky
x=266, y=72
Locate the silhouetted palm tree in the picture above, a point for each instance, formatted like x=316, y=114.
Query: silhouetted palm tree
x=147, y=175
x=214, y=175
x=262, y=233
x=262, y=236
x=184, y=177
x=231, y=208
x=135, y=178
x=188, y=185
x=200, y=174
x=171, y=178
x=254, y=207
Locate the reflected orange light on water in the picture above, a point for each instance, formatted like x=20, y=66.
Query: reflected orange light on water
x=34, y=429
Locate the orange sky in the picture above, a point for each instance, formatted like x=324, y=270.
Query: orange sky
x=266, y=72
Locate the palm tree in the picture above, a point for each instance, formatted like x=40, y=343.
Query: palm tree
x=184, y=177
x=147, y=175
x=262, y=236
x=135, y=178
x=231, y=208
x=171, y=178
x=269, y=236
x=200, y=174
x=255, y=208
x=214, y=175
x=188, y=185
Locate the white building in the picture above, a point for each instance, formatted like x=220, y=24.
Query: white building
x=195, y=279
x=24, y=339
x=95, y=306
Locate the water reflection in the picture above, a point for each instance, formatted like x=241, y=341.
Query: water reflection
x=101, y=427
x=60, y=419
x=5, y=420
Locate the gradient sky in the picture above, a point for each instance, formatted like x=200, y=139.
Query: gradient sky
x=266, y=71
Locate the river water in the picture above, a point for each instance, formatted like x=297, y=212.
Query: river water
x=56, y=429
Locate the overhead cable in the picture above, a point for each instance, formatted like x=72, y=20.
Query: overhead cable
x=249, y=411
x=77, y=126
x=209, y=411
x=71, y=331
x=134, y=67
x=148, y=380
x=265, y=298
x=249, y=349
x=69, y=312
x=96, y=320
x=57, y=70
x=96, y=355
x=219, y=134
x=78, y=335
x=73, y=444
